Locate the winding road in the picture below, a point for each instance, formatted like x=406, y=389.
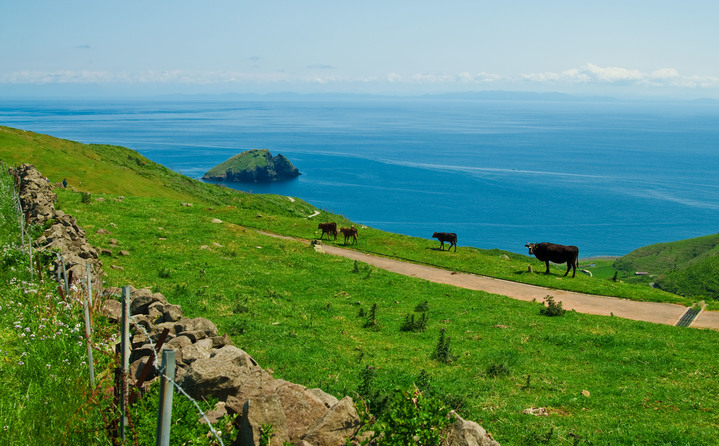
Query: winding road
x=657, y=312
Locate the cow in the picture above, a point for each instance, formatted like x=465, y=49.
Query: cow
x=449, y=237
x=329, y=229
x=349, y=233
x=550, y=252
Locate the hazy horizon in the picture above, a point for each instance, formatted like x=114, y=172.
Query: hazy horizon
x=87, y=49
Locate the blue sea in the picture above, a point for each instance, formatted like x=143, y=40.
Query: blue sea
x=606, y=175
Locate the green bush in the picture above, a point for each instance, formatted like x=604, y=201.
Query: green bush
x=412, y=419
x=553, y=308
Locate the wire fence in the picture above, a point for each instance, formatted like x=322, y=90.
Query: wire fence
x=164, y=370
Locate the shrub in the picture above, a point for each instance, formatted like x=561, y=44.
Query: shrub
x=371, y=321
x=85, y=197
x=497, y=369
x=411, y=418
x=423, y=307
x=553, y=308
x=443, y=351
x=410, y=324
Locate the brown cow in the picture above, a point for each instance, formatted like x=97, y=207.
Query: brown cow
x=349, y=233
x=329, y=228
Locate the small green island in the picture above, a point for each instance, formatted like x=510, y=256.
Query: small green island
x=253, y=166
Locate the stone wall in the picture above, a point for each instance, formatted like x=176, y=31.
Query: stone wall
x=207, y=363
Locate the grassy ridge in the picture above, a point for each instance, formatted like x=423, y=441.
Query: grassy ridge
x=603, y=380
x=688, y=267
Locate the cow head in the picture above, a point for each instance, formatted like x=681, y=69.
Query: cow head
x=531, y=247
x=434, y=235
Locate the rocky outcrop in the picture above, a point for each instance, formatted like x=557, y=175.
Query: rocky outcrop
x=253, y=166
x=207, y=363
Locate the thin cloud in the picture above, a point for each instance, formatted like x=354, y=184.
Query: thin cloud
x=589, y=74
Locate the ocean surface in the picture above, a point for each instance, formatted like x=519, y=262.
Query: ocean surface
x=607, y=176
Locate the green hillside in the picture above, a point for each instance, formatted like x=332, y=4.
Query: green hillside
x=305, y=315
x=686, y=267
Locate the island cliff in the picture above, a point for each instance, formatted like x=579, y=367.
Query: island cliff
x=253, y=166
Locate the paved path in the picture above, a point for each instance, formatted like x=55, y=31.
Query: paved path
x=661, y=313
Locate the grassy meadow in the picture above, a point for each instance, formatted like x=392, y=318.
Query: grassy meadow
x=307, y=316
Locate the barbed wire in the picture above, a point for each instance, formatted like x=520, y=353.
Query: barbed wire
x=24, y=234
x=160, y=371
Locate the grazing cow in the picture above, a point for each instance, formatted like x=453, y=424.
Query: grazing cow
x=329, y=229
x=549, y=252
x=449, y=237
x=349, y=233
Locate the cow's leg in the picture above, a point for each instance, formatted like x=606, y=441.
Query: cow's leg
x=546, y=262
x=569, y=266
x=441, y=245
x=455, y=246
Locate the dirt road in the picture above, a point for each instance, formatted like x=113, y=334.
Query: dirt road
x=661, y=313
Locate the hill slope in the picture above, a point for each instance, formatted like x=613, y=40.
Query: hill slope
x=686, y=267
x=305, y=315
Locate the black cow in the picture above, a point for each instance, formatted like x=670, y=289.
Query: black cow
x=449, y=237
x=349, y=233
x=550, y=252
x=329, y=229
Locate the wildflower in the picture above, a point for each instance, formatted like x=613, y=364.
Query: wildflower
x=20, y=363
x=47, y=365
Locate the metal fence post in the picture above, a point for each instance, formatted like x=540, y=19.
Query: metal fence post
x=164, y=409
x=89, y=283
x=125, y=358
x=88, y=327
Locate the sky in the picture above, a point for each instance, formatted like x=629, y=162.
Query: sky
x=626, y=48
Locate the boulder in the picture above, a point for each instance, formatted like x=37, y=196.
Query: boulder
x=467, y=433
x=262, y=411
x=220, y=375
x=336, y=426
x=196, y=324
x=302, y=409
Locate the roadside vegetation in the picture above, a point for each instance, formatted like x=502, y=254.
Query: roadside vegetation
x=350, y=329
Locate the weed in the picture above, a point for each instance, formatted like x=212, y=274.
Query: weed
x=497, y=369
x=553, y=308
x=267, y=431
x=164, y=273
x=356, y=268
x=410, y=324
x=412, y=418
x=371, y=321
x=85, y=197
x=240, y=306
x=443, y=351
x=423, y=307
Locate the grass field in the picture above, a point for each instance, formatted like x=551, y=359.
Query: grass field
x=602, y=380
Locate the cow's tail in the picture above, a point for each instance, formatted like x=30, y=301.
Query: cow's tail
x=576, y=260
